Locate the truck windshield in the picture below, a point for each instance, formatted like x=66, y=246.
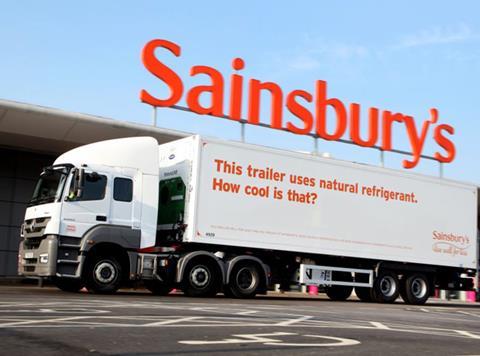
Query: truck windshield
x=50, y=185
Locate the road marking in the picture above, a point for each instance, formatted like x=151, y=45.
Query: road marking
x=466, y=333
x=467, y=313
x=293, y=321
x=266, y=339
x=379, y=325
x=240, y=339
x=248, y=312
x=340, y=341
x=174, y=321
x=29, y=322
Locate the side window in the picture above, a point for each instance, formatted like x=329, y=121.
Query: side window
x=122, y=189
x=94, y=187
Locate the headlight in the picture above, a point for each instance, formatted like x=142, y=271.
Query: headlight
x=44, y=258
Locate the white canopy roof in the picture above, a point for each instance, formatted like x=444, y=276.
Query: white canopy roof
x=47, y=130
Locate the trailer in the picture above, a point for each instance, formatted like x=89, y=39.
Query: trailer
x=210, y=216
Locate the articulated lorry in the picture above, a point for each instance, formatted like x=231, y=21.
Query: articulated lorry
x=208, y=216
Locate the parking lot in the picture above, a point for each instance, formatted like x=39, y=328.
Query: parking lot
x=46, y=321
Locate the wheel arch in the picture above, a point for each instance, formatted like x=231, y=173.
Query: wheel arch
x=184, y=260
x=110, y=249
x=122, y=239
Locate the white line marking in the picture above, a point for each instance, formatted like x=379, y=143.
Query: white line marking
x=174, y=321
x=467, y=313
x=241, y=339
x=379, y=325
x=248, y=312
x=340, y=342
x=466, y=333
x=29, y=322
x=293, y=321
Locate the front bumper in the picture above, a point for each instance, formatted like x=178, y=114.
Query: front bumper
x=38, y=260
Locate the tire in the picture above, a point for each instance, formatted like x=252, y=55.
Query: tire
x=363, y=293
x=157, y=287
x=244, y=280
x=103, y=275
x=201, y=279
x=340, y=293
x=415, y=289
x=68, y=284
x=386, y=288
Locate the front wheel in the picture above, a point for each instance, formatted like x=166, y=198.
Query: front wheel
x=103, y=275
x=68, y=284
x=415, y=289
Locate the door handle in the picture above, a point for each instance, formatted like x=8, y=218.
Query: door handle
x=101, y=218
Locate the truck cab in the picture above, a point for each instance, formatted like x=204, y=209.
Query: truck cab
x=90, y=201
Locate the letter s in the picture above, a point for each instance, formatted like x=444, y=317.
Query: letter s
x=161, y=71
x=445, y=143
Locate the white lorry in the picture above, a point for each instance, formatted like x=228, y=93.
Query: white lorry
x=208, y=216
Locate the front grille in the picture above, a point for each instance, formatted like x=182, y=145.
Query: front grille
x=29, y=269
x=32, y=243
x=34, y=227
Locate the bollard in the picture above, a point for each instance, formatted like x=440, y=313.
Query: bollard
x=470, y=296
x=313, y=290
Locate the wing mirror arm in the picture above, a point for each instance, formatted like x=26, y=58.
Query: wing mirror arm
x=78, y=183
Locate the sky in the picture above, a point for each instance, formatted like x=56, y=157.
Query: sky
x=405, y=56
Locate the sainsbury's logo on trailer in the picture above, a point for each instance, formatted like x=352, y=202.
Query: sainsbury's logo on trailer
x=347, y=118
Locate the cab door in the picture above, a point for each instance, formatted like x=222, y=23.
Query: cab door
x=79, y=214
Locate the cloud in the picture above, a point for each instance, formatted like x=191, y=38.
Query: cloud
x=315, y=52
x=304, y=62
x=438, y=35
x=344, y=51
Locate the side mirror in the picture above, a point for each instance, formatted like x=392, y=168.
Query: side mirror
x=94, y=177
x=78, y=182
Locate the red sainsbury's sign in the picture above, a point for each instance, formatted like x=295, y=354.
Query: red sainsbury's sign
x=380, y=122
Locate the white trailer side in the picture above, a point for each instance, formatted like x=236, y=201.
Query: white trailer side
x=382, y=214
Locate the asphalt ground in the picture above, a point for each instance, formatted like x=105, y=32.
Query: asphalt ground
x=46, y=321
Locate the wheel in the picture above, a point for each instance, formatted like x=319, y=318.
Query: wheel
x=363, y=293
x=244, y=280
x=103, y=274
x=158, y=287
x=340, y=293
x=415, y=289
x=68, y=284
x=386, y=288
x=201, y=279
